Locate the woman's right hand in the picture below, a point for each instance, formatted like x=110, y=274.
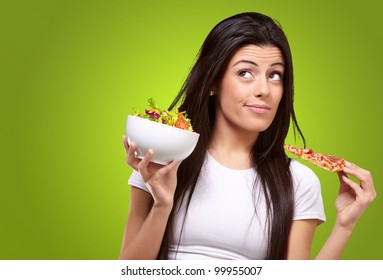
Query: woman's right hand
x=354, y=198
x=161, y=180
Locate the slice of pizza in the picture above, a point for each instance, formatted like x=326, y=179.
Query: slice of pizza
x=330, y=163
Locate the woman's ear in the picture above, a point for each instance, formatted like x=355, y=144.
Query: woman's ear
x=213, y=90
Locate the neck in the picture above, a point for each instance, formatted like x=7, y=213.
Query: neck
x=232, y=148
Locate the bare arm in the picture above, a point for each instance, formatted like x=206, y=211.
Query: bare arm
x=149, y=212
x=145, y=227
x=335, y=244
x=300, y=239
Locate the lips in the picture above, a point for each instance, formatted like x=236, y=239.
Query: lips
x=258, y=108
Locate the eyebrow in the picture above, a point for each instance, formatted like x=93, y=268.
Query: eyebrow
x=255, y=64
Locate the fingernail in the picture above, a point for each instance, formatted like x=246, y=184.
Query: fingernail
x=347, y=164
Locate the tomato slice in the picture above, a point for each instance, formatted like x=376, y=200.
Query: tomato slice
x=181, y=123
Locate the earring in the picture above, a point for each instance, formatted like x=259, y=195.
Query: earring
x=211, y=93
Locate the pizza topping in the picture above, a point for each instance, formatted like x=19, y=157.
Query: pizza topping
x=331, y=163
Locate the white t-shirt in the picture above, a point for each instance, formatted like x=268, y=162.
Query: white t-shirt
x=222, y=221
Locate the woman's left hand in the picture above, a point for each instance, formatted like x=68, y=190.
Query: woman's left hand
x=353, y=198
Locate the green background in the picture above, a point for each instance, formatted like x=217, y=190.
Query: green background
x=71, y=71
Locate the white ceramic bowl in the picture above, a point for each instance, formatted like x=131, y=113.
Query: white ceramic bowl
x=168, y=143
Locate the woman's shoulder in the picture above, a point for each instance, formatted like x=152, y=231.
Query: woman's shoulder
x=301, y=172
x=307, y=193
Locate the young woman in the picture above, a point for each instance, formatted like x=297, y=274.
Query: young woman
x=238, y=196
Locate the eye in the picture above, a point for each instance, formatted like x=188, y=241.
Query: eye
x=245, y=74
x=275, y=76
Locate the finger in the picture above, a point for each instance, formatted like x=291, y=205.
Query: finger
x=131, y=156
x=343, y=186
x=130, y=150
x=356, y=187
x=364, y=197
x=170, y=167
x=341, y=174
x=356, y=171
x=126, y=145
x=364, y=176
x=143, y=165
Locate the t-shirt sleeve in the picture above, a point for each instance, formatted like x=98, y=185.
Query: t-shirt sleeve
x=135, y=180
x=308, y=195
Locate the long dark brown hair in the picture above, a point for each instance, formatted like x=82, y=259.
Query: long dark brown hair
x=267, y=153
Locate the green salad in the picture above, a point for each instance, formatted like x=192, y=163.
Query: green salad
x=172, y=118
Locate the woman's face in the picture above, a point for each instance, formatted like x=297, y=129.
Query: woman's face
x=249, y=93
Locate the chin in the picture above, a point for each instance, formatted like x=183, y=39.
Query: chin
x=258, y=128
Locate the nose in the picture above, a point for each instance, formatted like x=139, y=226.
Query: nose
x=262, y=87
